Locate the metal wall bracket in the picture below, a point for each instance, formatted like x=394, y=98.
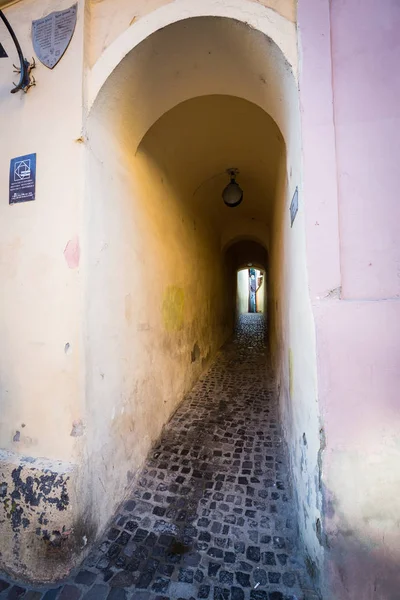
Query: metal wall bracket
x=26, y=80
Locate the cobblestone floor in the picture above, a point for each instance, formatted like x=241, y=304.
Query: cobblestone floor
x=211, y=514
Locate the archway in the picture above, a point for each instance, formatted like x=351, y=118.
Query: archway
x=187, y=103
x=250, y=260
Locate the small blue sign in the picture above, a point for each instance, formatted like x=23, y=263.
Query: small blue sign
x=294, y=206
x=22, y=178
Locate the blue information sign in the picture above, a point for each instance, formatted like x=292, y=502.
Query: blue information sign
x=22, y=178
x=294, y=206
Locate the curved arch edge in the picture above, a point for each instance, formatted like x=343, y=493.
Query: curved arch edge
x=257, y=16
x=245, y=230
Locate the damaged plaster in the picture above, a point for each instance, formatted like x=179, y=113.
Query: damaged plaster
x=37, y=516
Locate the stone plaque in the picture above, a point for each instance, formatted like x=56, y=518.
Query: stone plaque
x=52, y=34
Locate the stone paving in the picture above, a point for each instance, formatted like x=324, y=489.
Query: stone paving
x=210, y=516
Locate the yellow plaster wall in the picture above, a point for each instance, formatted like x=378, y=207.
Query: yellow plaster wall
x=41, y=345
x=242, y=292
x=157, y=308
x=40, y=293
x=261, y=295
x=292, y=344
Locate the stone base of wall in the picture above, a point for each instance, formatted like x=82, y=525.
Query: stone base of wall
x=41, y=531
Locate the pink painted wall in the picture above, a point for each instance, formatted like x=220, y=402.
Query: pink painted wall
x=359, y=381
x=366, y=76
x=318, y=141
x=349, y=90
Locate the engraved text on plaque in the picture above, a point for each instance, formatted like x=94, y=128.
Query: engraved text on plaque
x=52, y=34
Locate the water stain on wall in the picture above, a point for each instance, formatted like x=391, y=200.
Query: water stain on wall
x=173, y=308
x=128, y=308
x=195, y=355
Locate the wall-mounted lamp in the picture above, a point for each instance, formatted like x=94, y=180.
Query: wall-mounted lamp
x=26, y=80
x=232, y=194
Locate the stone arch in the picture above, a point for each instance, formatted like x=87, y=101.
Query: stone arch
x=235, y=233
x=121, y=112
x=257, y=16
x=248, y=250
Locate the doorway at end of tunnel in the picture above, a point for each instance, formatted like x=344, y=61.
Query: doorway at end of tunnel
x=250, y=291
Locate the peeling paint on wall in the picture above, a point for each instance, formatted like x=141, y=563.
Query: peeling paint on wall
x=78, y=428
x=38, y=517
x=24, y=493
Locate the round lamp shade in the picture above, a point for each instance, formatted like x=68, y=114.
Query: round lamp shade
x=232, y=194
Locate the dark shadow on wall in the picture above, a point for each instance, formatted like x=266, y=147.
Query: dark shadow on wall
x=246, y=252
x=355, y=568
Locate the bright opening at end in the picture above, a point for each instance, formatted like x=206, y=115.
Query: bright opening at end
x=250, y=291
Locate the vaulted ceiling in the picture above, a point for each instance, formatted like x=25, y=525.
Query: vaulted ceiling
x=199, y=97
x=199, y=139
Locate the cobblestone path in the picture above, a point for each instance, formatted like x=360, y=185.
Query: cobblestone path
x=211, y=515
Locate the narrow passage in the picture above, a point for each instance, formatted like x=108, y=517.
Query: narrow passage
x=211, y=514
